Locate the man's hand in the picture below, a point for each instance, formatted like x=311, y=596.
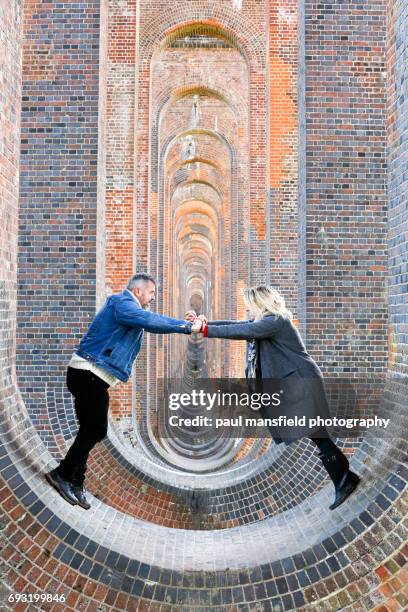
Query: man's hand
x=190, y=316
x=198, y=322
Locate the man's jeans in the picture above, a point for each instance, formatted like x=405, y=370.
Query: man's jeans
x=91, y=407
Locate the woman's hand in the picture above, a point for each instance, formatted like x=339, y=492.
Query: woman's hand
x=197, y=325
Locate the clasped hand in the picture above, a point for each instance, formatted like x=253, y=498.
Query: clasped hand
x=197, y=321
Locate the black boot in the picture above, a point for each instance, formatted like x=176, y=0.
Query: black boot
x=79, y=493
x=64, y=487
x=78, y=486
x=344, y=480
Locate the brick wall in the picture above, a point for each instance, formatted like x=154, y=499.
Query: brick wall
x=10, y=107
x=58, y=218
x=397, y=128
x=345, y=220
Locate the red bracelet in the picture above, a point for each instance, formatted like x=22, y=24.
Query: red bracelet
x=205, y=330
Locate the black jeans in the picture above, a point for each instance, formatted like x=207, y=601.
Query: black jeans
x=91, y=408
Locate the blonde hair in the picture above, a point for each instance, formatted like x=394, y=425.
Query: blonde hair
x=263, y=300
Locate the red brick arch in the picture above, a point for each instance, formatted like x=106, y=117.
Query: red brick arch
x=168, y=96
x=225, y=23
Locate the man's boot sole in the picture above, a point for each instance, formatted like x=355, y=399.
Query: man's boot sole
x=347, y=492
x=82, y=506
x=54, y=484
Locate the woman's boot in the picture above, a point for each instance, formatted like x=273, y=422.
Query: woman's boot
x=344, y=480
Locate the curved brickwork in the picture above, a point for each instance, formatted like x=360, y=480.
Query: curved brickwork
x=97, y=153
x=316, y=569
x=267, y=493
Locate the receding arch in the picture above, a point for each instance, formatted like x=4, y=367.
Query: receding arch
x=237, y=31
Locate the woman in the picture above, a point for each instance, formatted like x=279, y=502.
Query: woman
x=275, y=350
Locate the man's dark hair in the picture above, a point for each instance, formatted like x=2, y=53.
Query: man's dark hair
x=139, y=279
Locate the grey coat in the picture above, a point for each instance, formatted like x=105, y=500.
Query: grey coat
x=282, y=355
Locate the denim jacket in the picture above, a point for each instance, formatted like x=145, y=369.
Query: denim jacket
x=114, y=337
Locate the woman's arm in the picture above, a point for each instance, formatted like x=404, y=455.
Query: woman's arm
x=248, y=330
x=226, y=322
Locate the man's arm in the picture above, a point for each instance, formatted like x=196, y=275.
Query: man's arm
x=191, y=316
x=128, y=313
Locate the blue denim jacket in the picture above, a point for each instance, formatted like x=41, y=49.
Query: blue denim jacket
x=114, y=337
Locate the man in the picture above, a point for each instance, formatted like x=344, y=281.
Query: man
x=104, y=358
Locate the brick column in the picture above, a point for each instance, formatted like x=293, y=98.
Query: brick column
x=120, y=226
x=283, y=75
